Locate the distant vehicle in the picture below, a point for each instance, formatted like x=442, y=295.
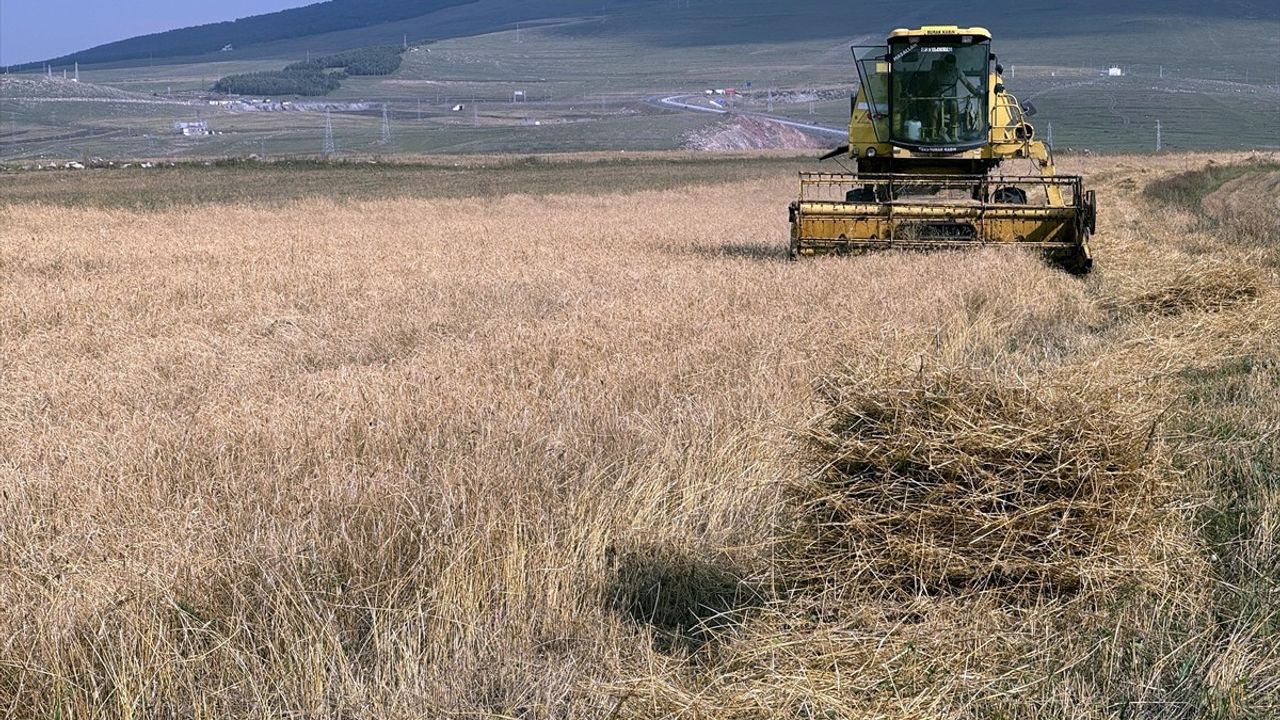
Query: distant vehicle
x=459, y=107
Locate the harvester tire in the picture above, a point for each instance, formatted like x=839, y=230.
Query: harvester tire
x=1010, y=196
x=1080, y=262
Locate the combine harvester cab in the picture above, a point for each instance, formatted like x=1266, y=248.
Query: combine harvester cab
x=929, y=131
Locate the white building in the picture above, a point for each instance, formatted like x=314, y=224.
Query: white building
x=192, y=129
x=1115, y=72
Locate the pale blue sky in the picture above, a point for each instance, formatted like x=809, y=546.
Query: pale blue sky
x=33, y=30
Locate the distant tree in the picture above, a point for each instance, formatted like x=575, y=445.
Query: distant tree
x=280, y=82
x=317, y=76
x=378, y=60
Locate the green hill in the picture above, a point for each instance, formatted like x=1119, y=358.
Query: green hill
x=346, y=24
x=321, y=18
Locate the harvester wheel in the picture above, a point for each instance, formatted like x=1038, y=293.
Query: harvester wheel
x=860, y=195
x=1081, y=260
x=1010, y=196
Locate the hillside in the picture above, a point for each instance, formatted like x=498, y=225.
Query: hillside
x=708, y=22
x=588, y=75
x=318, y=19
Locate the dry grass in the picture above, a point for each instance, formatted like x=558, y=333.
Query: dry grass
x=553, y=457
x=1249, y=209
x=945, y=481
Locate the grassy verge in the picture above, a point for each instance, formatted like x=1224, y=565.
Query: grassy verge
x=233, y=182
x=1189, y=189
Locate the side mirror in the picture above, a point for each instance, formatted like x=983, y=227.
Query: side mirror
x=999, y=88
x=1029, y=110
x=999, y=69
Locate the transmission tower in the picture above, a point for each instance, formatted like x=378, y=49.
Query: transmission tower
x=386, y=125
x=329, y=146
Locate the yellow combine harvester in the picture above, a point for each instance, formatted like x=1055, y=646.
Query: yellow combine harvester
x=929, y=130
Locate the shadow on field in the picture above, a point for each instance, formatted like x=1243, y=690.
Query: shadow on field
x=688, y=601
x=747, y=251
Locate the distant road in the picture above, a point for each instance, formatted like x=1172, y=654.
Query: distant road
x=680, y=102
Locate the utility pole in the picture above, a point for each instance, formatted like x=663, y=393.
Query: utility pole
x=406, y=41
x=1159, y=137
x=386, y=125
x=1048, y=138
x=329, y=146
x=77, y=72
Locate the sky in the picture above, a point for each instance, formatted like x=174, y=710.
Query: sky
x=32, y=30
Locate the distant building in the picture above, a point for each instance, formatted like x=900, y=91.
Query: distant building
x=228, y=47
x=1115, y=72
x=192, y=129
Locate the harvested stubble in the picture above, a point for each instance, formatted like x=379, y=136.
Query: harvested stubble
x=945, y=481
x=1181, y=285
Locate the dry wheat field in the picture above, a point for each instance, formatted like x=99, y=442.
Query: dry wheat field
x=574, y=451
